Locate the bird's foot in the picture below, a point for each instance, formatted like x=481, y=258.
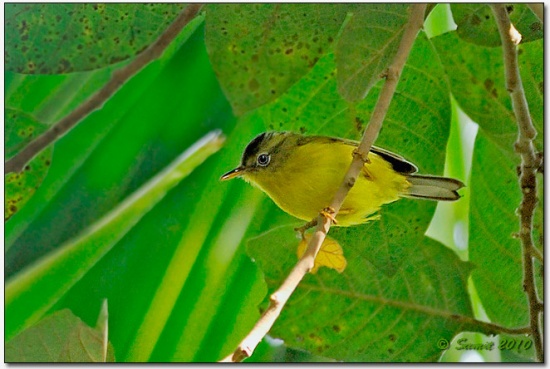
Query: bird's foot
x=329, y=212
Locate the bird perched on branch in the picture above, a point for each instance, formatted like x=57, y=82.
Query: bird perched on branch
x=301, y=174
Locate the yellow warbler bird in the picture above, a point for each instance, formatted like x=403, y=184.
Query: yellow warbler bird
x=301, y=174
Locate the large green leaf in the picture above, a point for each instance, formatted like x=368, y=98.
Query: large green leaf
x=221, y=258
x=217, y=232
x=60, y=337
x=367, y=46
x=493, y=222
x=293, y=38
x=63, y=38
x=259, y=50
x=494, y=197
x=362, y=314
x=531, y=64
x=476, y=76
x=476, y=23
x=30, y=293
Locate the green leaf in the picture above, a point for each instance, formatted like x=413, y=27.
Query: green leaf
x=476, y=76
x=259, y=50
x=493, y=248
x=476, y=23
x=26, y=92
x=31, y=292
x=367, y=46
x=210, y=288
x=531, y=67
x=64, y=38
x=225, y=236
x=439, y=20
x=495, y=195
x=20, y=187
x=362, y=314
x=60, y=337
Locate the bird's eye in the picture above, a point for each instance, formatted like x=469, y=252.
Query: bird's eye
x=263, y=159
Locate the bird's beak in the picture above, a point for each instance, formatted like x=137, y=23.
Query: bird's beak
x=233, y=173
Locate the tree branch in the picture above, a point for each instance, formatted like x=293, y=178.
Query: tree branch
x=279, y=298
x=529, y=166
x=487, y=328
x=96, y=101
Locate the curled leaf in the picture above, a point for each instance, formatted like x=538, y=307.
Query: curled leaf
x=331, y=254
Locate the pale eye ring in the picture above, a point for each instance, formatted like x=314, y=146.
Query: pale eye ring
x=263, y=159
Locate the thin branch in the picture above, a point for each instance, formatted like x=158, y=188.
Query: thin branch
x=487, y=328
x=538, y=9
x=304, y=265
x=96, y=101
x=529, y=166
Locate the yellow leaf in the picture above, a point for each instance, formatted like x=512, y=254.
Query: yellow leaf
x=330, y=255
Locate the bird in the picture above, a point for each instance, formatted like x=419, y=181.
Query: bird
x=301, y=174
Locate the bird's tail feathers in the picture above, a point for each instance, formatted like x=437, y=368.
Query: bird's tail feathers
x=433, y=188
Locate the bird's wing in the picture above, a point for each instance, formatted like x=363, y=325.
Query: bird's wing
x=398, y=163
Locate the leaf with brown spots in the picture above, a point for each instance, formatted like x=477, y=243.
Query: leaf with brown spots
x=259, y=50
x=19, y=187
x=363, y=314
x=476, y=23
x=71, y=37
x=476, y=75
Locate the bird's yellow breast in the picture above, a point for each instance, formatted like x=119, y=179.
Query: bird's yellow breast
x=305, y=179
